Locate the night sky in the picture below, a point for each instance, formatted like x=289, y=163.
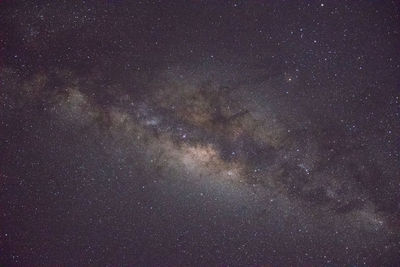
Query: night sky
x=199, y=133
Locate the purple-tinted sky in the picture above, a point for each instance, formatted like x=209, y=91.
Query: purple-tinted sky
x=200, y=133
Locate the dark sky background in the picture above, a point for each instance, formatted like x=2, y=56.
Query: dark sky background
x=200, y=133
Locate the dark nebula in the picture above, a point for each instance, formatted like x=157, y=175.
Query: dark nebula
x=200, y=133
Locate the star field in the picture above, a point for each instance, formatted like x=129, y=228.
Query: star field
x=193, y=133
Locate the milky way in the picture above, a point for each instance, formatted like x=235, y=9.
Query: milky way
x=200, y=134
